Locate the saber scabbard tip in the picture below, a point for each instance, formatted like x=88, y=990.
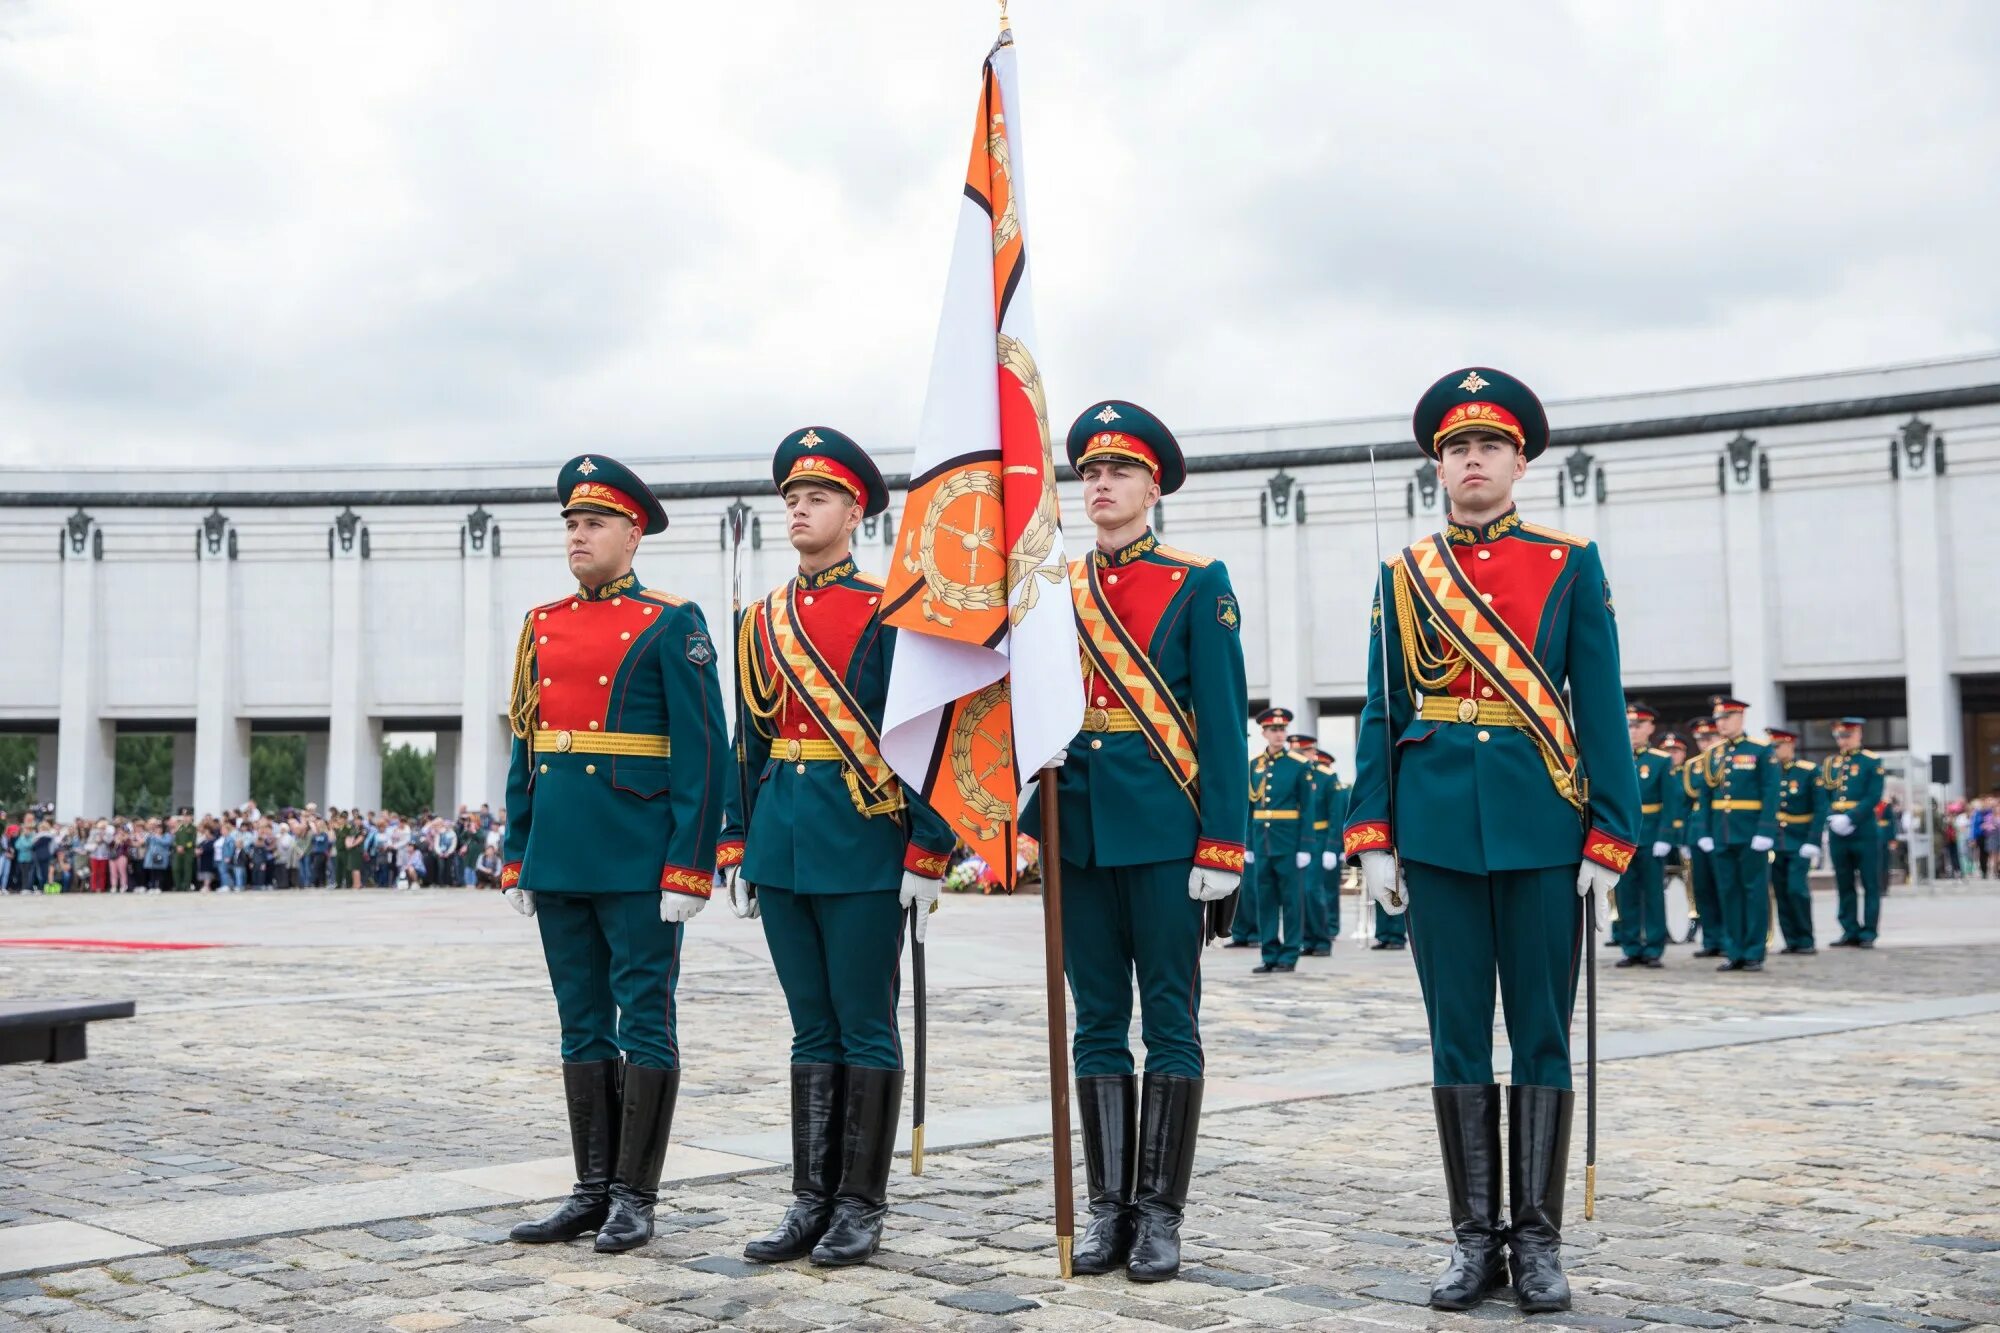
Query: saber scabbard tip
x=917, y=1150
x=1590, y=1192
x=1065, y=1250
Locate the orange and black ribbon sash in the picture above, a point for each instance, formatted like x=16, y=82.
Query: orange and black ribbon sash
x=1113, y=654
x=1486, y=640
x=820, y=690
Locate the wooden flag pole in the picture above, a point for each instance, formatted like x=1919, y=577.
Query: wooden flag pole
x=1058, y=1021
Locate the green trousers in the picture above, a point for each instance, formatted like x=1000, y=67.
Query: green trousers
x=182, y=868
x=1281, y=907
x=1857, y=855
x=1322, y=908
x=614, y=965
x=1792, y=889
x=839, y=958
x=1641, y=928
x=1525, y=926
x=1390, y=929
x=1702, y=897
x=1243, y=926
x=1127, y=924
x=1743, y=884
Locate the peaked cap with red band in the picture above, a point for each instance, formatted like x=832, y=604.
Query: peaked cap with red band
x=1480, y=398
x=1114, y=428
x=822, y=454
x=597, y=484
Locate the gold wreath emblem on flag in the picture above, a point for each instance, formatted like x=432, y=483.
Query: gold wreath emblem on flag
x=977, y=755
x=1029, y=561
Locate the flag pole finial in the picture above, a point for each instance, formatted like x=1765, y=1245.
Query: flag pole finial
x=1003, y=15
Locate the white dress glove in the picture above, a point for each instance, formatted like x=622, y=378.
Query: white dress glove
x=1661, y=849
x=1706, y=843
x=1058, y=759
x=742, y=896
x=679, y=907
x=923, y=893
x=1841, y=824
x=1591, y=876
x=1328, y=860
x=1302, y=860
x=1760, y=843
x=1206, y=886
x=1811, y=853
x=522, y=899
x=1382, y=877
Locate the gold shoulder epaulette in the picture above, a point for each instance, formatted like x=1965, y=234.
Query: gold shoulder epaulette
x=1554, y=534
x=1657, y=753
x=663, y=598
x=1800, y=763
x=863, y=576
x=1871, y=754
x=1299, y=759
x=1185, y=557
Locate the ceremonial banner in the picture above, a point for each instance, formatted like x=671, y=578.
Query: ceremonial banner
x=986, y=684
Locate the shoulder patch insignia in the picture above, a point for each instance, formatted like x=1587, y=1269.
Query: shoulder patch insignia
x=1185, y=557
x=699, y=650
x=1607, y=598
x=1227, y=613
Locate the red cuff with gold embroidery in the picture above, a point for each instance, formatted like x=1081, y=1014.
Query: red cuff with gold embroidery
x=1612, y=853
x=1370, y=837
x=931, y=865
x=510, y=874
x=1219, y=855
x=680, y=879
x=728, y=854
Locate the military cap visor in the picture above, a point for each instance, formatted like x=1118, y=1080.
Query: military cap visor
x=1275, y=717
x=824, y=456
x=1480, y=398
x=1641, y=713
x=592, y=483
x=1302, y=738
x=1127, y=433
x=1781, y=733
x=1849, y=723
x=1727, y=705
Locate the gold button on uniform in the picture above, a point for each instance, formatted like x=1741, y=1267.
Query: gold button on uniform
x=645, y=610
x=809, y=600
x=542, y=615
x=1485, y=735
x=802, y=768
x=1486, y=690
x=1486, y=555
x=545, y=768
x=543, y=639
x=574, y=605
x=1485, y=596
x=546, y=682
x=1097, y=745
x=1556, y=554
x=604, y=680
x=1176, y=576
x=618, y=601
x=626, y=634
x=590, y=768
x=593, y=726
x=1111, y=578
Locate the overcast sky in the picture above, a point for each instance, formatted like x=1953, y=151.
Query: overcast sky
x=267, y=233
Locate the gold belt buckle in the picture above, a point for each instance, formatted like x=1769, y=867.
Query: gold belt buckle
x=563, y=742
x=1096, y=719
x=1468, y=710
x=791, y=751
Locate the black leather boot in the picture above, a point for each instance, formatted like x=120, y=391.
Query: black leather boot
x=1169, y=1116
x=816, y=1108
x=1537, y=1159
x=1468, y=1122
x=1108, y=1106
x=867, y=1145
x=647, y=1116
x=590, y=1091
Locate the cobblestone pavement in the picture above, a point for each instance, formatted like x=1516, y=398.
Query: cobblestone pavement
x=1849, y=1180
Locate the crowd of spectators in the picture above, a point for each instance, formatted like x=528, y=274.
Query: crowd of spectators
x=248, y=849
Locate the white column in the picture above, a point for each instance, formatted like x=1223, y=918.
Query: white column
x=86, y=744
x=221, y=740
x=1746, y=563
x=1924, y=577
x=1286, y=646
x=183, y=781
x=354, y=740
x=46, y=759
x=444, y=774
x=478, y=754
x=1578, y=480
x=316, y=769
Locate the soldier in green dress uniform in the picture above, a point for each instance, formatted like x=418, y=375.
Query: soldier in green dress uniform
x=1852, y=779
x=614, y=801
x=1642, y=892
x=1673, y=824
x=835, y=850
x=1505, y=808
x=1802, y=808
x=1151, y=797
x=1322, y=926
x=1738, y=830
x=1709, y=924
x=185, y=837
x=1283, y=802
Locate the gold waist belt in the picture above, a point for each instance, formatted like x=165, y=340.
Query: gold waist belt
x=1109, y=719
x=1735, y=805
x=1274, y=814
x=1486, y=712
x=1652, y=809
x=1845, y=805
x=1794, y=819
x=601, y=742
x=794, y=751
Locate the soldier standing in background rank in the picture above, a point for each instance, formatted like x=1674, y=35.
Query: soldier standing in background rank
x=1853, y=782
x=1642, y=891
x=1709, y=921
x=1505, y=808
x=1312, y=840
x=1802, y=808
x=835, y=850
x=1673, y=829
x=1322, y=926
x=614, y=800
x=1738, y=829
x=1151, y=799
x=1282, y=806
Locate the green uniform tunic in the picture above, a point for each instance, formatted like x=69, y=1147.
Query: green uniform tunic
x=1853, y=785
x=1322, y=908
x=1802, y=809
x=1739, y=806
x=1283, y=802
x=1642, y=891
x=1701, y=866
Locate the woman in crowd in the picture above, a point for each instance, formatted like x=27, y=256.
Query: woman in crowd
x=156, y=853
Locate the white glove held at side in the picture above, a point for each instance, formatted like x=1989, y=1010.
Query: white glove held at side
x=1592, y=876
x=1206, y=886
x=680, y=907
x=522, y=899
x=1660, y=849
x=1383, y=877
x=1706, y=843
x=1760, y=843
x=923, y=893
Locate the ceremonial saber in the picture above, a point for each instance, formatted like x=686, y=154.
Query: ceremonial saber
x=1388, y=737
x=1058, y=1021
x=739, y=518
x=917, y=1093
x=1590, y=1066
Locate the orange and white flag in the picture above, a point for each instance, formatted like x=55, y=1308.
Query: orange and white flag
x=986, y=684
